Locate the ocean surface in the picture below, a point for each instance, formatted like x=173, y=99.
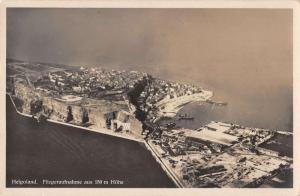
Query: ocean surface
x=244, y=56
x=256, y=97
x=57, y=152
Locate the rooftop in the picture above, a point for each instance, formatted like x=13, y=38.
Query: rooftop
x=212, y=136
x=71, y=98
x=218, y=126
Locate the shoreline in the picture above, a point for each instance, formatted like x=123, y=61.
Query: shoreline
x=77, y=126
x=147, y=146
x=165, y=167
x=172, y=106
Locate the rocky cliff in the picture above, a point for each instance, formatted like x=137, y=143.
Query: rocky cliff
x=85, y=111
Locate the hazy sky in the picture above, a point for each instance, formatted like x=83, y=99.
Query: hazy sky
x=224, y=49
x=241, y=41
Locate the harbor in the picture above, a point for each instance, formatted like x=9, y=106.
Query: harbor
x=131, y=98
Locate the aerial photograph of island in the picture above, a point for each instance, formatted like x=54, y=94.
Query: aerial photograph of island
x=149, y=98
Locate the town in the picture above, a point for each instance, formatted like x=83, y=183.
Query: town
x=130, y=104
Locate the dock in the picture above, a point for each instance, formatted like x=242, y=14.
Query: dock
x=217, y=103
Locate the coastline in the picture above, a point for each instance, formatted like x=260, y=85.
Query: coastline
x=147, y=144
x=144, y=142
x=77, y=126
x=165, y=167
x=170, y=107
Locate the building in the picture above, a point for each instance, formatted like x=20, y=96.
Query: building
x=218, y=126
x=215, y=140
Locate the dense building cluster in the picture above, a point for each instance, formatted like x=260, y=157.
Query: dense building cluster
x=160, y=89
x=130, y=103
x=91, y=82
x=67, y=95
x=220, y=155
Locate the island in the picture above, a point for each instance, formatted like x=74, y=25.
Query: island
x=130, y=104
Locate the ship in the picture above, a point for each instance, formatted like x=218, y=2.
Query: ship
x=218, y=103
x=185, y=117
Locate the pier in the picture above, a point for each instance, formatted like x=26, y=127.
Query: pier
x=217, y=103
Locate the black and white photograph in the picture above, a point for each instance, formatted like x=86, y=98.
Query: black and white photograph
x=149, y=98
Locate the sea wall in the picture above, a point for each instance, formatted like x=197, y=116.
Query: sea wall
x=86, y=110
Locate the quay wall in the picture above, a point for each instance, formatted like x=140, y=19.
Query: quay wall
x=101, y=131
x=164, y=166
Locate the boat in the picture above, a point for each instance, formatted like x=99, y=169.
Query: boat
x=185, y=117
x=218, y=103
x=171, y=125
